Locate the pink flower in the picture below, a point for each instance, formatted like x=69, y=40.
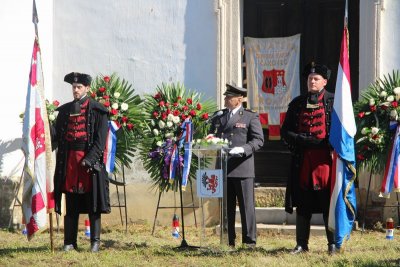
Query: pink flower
x=164, y=115
x=372, y=108
x=198, y=106
x=106, y=79
x=189, y=101
x=157, y=96
x=185, y=108
x=106, y=104
x=130, y=126
x=204, y=116
x=114, y=111
x=192, y=112
x=161, y=103
x=155, y=114
x=395, y=104
x=56, y=103
x=93, y=95
x=176, y=113
x=102, y=89
x=175, y=104
x=361, y=114
x=106, y=97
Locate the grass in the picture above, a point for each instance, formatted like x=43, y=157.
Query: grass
x=140, y=248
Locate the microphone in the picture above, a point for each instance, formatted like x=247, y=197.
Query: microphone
x=216, y=114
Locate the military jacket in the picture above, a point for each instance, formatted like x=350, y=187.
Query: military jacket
x=243, y=129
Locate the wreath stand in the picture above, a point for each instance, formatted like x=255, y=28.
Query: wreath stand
x=385, y=206
x=184, y=243
x=16, y=202
x=122, y=183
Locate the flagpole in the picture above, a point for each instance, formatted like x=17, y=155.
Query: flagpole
x=346, y=14
x=35, y=18
x=51, y=231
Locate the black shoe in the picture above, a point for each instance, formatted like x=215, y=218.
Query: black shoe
x=94, y=246
x=250, y=245
x=299, y=249
x=332, y=249
x=70, y=247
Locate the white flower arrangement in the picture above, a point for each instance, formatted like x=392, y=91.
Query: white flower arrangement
x=210, y=141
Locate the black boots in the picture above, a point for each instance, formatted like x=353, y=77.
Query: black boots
x=95, y=230
x=299, y=249
x=330, y=236
x=332, y=249
x=70, y=233
x=302, y=234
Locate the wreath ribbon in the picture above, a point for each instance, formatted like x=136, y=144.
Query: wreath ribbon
x=185, y=141
x=111, y=146
x=391, y=177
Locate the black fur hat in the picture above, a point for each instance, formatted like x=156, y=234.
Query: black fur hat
x=313, y=67
x=76, y=77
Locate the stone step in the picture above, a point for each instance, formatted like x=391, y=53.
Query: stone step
x=316, y=230
x=278, y=216
x=269, y=196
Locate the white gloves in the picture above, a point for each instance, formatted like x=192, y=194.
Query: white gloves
x=236, y=151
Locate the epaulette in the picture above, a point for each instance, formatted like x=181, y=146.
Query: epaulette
x=250, y=110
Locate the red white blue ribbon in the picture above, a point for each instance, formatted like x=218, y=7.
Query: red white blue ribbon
x=174, y=163
x=111, y=146
x=391, y=177
x=185, y=141
x=187, y=158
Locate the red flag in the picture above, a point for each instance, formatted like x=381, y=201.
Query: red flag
x=37, y=193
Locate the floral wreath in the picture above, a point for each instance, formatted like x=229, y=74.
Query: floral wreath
x=124, y=107
x=165, y=111
x=377, y=109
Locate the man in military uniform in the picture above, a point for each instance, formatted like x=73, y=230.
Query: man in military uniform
x=306, y=131
x=80, y=135
x=242, y=128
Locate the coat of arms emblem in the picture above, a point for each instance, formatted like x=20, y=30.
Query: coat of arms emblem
x=274, y=81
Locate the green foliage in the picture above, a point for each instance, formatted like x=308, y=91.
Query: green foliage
x=375, y=110
x=164, y=113
x=124, y=106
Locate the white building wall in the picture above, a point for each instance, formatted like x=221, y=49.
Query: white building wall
x=390, y=36
x=16, y=45
x=147, y=42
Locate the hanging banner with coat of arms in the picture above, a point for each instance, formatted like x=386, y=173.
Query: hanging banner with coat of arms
x=272, y=69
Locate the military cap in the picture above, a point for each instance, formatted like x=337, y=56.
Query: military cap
x=313, y=67
x=76, y=77
x=232, y=90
